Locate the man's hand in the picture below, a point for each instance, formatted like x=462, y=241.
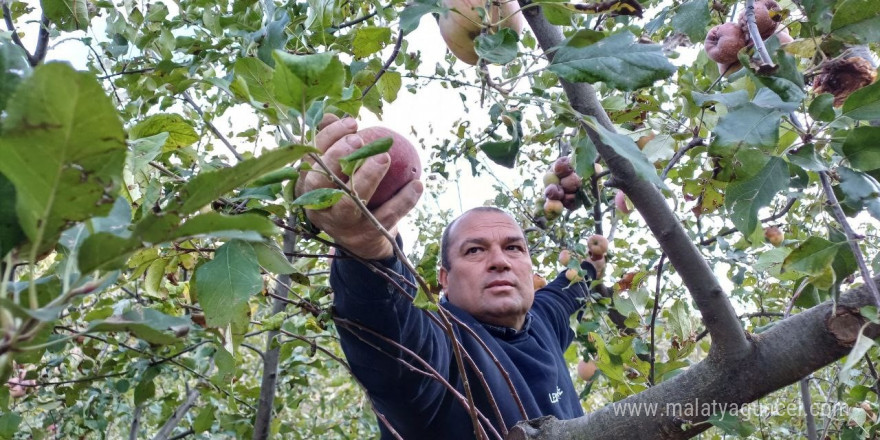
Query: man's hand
x=344, y=221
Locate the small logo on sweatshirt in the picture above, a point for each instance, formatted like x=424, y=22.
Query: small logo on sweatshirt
x=554, y=397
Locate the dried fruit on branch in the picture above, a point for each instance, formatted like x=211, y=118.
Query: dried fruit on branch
x=841, y=77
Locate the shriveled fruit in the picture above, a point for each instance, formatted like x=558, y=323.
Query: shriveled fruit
x=562, y=167
x=774, y=235
x=571, y=201
x=597, y=245
x=724, y=42
x=405, y=164
x=767, y=17
x=570, y=183
x=842, y=77
x=461, y=27
x=554, y=192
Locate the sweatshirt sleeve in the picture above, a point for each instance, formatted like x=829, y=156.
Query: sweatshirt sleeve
x=364, y=297
x=560, y=299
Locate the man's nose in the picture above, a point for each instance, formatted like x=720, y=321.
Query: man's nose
x=498, y=260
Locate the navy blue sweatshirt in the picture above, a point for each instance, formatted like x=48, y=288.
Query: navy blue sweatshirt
x=420, y=407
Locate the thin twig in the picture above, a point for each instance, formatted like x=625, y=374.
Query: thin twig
x=654, y=313
x=388, y=62
x=695, y=142
x=192, y=103
x=850, y=236
x=356, y=21
x=728, y=231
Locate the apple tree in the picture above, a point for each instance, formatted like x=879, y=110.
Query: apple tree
x=160, y=278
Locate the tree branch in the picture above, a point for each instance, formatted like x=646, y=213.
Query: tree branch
x=729, y=340
x=263, y=420
x=850, y=236
x=676, y=407
x=192, y=103
x=175, y=419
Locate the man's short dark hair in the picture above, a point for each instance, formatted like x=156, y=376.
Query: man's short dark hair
x=444, y=240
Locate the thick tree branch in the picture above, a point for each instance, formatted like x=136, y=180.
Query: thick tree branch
x=670, y=409
x=729, y=340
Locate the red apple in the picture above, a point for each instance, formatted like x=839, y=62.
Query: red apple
x=621, y=201
x=564, y=257
x=571, y=201
x=405, y=164
x=586, y=370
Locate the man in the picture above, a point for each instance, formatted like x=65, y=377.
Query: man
x=401, y=355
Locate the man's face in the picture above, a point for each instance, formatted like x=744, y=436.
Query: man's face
x=490, y=271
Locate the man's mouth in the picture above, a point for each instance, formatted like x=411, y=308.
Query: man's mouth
x=500, y=283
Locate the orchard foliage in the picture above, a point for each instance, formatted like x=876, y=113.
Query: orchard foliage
x=149, y=248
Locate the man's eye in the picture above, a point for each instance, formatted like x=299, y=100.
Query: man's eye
x=516, y=247
x=472, y=250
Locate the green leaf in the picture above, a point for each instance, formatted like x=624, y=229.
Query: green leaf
x=63, y=149
x=822, y=108
x=859, y=350
x=213, y=223
x=104, y=251
x=857, y=186
x=389, y=84
x=744, y=198
x=14, y=67
x=274, y=35
x=746, y=126
x=812, y=257
x=864, y=103
x=68, y=15
x=150, y=325
x=502, y=152
x=225, y=283
x=627, y=148
x=321, y=198
x=731, y=424
x=180, y=131
x=369, y=40
x=270, y=257
x=9, y=425
x=692, y=19
x=608, y=58
x=146, y=149
x=730, y=100
x=258, y=77
x=209, y=185
x=379, y=146
x=862, y=148
x=498, y=48
x=205, y=419
x=11, y=234
x=146, y=388
x=413, y=12
x=300, y=79
x=857, y=21
x=806, y=158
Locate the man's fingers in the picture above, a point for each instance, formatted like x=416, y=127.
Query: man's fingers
x=366, y=179
x=397, y=207
x=333, y=132
x=326, y=120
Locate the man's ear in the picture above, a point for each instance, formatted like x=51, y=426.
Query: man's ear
x=441, y=277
